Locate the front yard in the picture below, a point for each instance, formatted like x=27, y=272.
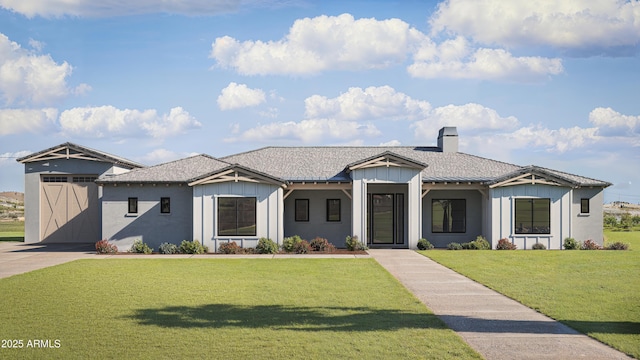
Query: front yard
x=220, y=308
x=594, y=292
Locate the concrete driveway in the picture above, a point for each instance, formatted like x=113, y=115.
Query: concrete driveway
x=17, y=258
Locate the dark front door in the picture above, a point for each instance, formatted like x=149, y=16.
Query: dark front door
x=386, y=219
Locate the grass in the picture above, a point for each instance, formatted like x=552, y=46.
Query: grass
x=221, y=308
x=594, y=292
x=11, y=230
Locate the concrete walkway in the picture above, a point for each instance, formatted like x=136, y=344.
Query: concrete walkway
x=494, y=325
x=17, y=258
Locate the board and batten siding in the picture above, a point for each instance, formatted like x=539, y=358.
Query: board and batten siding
x=503, y=214
x=388, y=175
x=269, y=212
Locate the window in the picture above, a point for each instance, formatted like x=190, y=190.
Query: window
x=133, y=205
x=165, y=205
x=236, y=216
x=449, y=216
x=302, y=209
x=333, y=209
x=533, y=216
x=584, y=206
x=54, y=179
x=84, y=179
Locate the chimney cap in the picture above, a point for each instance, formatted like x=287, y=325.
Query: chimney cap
x=448, y=131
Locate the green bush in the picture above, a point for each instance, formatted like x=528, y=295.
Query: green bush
x=424, y=244
x=302, y=247
x=617, y=246
x=505, y=244
x=289, y=243
x=140, y=247
x=167, y=248
x=192, y=247
x=571, y=244
x=266, y=246
x=454, y=246
x=590, y=245
x=481, y=243
x=354, y=244
x=538, y=246
x=321, y=244
x=229, y=248
x=104, y=247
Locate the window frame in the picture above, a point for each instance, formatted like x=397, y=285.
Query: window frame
x=585, y=206
x=297, y=210
x=532, y=225
x=132, y=205
x=331, y=217
x=453, y=229
x=237, y=217
x=168, y=205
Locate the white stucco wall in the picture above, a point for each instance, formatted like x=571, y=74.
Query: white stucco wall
x=269, y=212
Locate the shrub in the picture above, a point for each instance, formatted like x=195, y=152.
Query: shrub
x=140, y=247
x=590, y=245
x=571, y=244
x=505, y=244
x=424, y=244
x=302, y=247
x=104, y=247
x=538, y=246
x=618, y=246
x=266, y=246
x=321, y=244
x=482, y=243
x=192, y=247
x=354, y=244
x=229, y=248
x=167, y=248
x=454, y=246
x=289, y=243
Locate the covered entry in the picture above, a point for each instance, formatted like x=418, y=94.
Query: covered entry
x=69, y=210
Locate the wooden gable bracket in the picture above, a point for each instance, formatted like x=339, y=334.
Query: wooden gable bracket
x=234, y=175
x=526, y=179
x=347, y=193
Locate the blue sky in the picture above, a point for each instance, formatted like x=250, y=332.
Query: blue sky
x=547, y=83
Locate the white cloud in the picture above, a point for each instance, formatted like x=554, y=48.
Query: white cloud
x=321, y=43
x=90, y=8
x=372, y=103
x=467, y=117
x=391, y=143
x=308, y=131
x=564, y=24
x=15, y=121
x=609, y=118
x=106, y=121
x=456, y=58
x=28, y=78
x=343, y=43
x=9, y=158
x=236, y=96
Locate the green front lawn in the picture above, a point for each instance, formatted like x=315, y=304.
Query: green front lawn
x=594, y=292
x=221, y=308
x=11, y=230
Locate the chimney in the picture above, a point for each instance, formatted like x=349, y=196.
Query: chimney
x=448, y=139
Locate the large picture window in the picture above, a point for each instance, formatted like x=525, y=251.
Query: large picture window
x=448, y=216
x=533, y=216
x=237, y=216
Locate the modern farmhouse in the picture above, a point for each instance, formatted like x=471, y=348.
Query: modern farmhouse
x=388, y=196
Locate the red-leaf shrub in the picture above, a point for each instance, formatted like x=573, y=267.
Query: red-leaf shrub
x=104, y=247
x=505, y=244
x=590, y=245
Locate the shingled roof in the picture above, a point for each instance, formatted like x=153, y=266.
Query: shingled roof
x=71, y=150
x=179, y=171
x=329, y=163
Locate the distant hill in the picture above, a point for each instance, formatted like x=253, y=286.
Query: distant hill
x=12, y=195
